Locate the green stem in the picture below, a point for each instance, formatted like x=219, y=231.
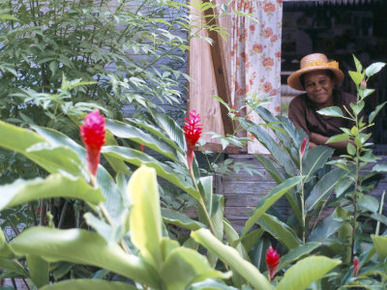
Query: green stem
x=106, y=215
x=302, y=204
x=202, y=203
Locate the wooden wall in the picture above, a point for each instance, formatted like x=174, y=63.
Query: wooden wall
x=209, y=68
x=243, y=191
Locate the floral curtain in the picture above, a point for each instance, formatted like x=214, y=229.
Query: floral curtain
x=256, y=58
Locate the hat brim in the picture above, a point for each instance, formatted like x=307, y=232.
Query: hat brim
x=294, y=79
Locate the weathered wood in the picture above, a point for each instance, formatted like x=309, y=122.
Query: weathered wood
x=243, y=191
x=219, y=60
x=208, y=67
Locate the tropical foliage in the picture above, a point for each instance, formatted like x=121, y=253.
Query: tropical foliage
x=92, y=216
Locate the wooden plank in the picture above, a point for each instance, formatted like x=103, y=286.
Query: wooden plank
x=219, y=64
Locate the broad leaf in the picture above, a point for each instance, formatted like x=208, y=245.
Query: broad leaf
x=179, y=219
x=374, y=68
x=55, y=185
x=138, y=158
x=39, y=270
x=333, y=111
x=123, y=130
x=210, y=284
x=270, y=144
x=297, y=253
x=380, y=168
x=145, y=216
x=280, y=230
x=13, y=266
x=315, y=159
x=265, y=203
x=375, y=112
x=89, y=284
x=324, y=187
x=5, y=250
x=357, y=77
x=231, y=257
x=184, y=266
x=171, y=128
x=306, y=271
x=17, y=139
x=380, y=244
x=325, y=229
x=338, y=138
x=271, y=168
x=83, y=247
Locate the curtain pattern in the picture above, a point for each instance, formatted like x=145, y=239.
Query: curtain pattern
x=256, y=58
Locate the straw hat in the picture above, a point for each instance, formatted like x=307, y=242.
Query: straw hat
x=313, y=62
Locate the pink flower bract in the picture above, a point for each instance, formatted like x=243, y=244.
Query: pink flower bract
x=93, y=136
x=355, y=266
x=272, y=262
x=303, y=146
x=192, y=131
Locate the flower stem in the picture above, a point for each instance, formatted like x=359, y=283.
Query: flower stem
x=202, y=203
x=302, y=203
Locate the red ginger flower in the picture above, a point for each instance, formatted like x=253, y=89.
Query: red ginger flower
x=303, y=146
x=192, y=131
x=93, y=136
x=272, y=262
x=355, y=266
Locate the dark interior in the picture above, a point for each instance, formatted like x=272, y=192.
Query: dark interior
x=341, y=29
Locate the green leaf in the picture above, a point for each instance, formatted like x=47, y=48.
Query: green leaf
x=380, y=168
x=39, y=270
x=184, y=266
x=380, y=244
x=265, y=203
x=297, y=253
x=338, y=138
x=270, y=168
x=138, y=158
x=325, y=229
x=358, y=65
x=357, y=107
x=210, y=284
x=171, y=129
x=324, y=187
x=231, y=257
x=351, y=149
x=56, y=159
x=179, y=219
x=374, y=113
x=89, y=284
x=306, y=271
x=17, y=139
x=368, y=202
x=374, y=68
x=117, y=164
x=333, y=111
x=5, y=250
x=55, y=185
x=357, y=77
x=271, y=145
x=145, y=216
x=13, y=266
x=126, y=131
x=315, y=159
x=280, y=230
x=83, y=247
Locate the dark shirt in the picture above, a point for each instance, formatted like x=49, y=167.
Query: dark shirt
x=303, y=113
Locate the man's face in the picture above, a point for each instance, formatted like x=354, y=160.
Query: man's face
x=319, y=88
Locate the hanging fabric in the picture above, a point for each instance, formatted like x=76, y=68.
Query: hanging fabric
x=256, y=58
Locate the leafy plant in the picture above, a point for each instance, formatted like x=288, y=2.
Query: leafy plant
x=342, y=187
